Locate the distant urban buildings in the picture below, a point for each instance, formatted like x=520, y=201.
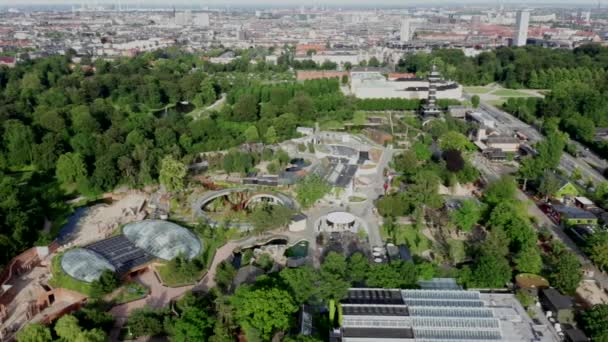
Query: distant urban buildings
x=521, y=30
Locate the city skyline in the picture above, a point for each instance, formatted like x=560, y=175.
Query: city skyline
x=296, y=3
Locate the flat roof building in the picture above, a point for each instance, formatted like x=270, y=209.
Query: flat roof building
x=441, y=312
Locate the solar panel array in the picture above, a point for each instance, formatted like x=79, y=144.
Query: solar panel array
x=121, y=253
x=374, y=296
x=375, y=310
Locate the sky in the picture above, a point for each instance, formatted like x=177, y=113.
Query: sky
x=283, y=3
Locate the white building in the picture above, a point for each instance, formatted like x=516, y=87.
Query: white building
x=406, y=31
x=201, y=20
x=183, y=18
x=374, y=85
x=521, y=31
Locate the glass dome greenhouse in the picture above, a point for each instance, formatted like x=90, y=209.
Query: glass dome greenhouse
x=84, y=264
x=163, y=239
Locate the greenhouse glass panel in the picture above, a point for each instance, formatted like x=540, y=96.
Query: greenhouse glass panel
x=84, y=264
x=163, y=239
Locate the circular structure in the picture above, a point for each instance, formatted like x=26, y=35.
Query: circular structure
x=84, y=264
x=163, y=239
x=341, y=218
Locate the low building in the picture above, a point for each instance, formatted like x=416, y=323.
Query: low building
x=495, y=154
x=505, y=144
x=572, y=216
x=459, y=112
x=8, y=61
x=566, y=189
x=436, y=313
x=560, y=306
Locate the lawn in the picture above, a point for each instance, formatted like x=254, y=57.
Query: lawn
x=177, y=279
x=496, y=103
x=477, y=90
x=509, y=93
x=61, y=279
x=410, y=236
x=130, y=292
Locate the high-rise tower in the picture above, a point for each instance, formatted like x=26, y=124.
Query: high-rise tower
x=521, y=31
x=406, y=30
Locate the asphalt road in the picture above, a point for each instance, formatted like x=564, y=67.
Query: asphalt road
x=508, y=124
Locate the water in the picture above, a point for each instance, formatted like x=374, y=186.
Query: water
x=299, y=250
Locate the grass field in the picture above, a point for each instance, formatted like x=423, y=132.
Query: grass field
x=496, y=103
x=509, y=93
x=410, y=236
x=477, y=90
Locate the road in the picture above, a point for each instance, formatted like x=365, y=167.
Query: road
x=508, y=124
x=491, y=173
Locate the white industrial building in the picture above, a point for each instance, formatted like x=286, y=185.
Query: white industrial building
x=373, y=85
x=440, y=311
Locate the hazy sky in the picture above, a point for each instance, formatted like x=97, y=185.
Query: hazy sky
x=345, y=3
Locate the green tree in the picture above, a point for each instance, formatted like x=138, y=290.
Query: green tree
x=172, y=174
x=310, y=189
x=34, y=333
x=301, y=283
x=106, y=283
x=251, y=134
x=501, y=190
x=529, y=261
x=393, y=275
x=597, y=248
x=549, y=184
x=453, y=140
x=475, y=101
x=70, y=168
x=358, y=267
x=67, y=328
x=271, y=135
x=595, y=322
x=19, y=142
x=265, y=310
x=567, y=272
x=246, y=108
x=466, y=216
x=193, y=324
x=145, y=322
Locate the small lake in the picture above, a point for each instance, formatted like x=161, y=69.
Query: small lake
x=299, y=250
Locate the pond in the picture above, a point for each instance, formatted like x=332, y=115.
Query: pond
x=299, y=250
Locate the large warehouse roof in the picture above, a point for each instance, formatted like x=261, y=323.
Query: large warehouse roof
x=164, y=240
x=84, y=264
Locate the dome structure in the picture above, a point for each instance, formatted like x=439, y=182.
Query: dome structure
x=85, y=264
x=163, y=239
